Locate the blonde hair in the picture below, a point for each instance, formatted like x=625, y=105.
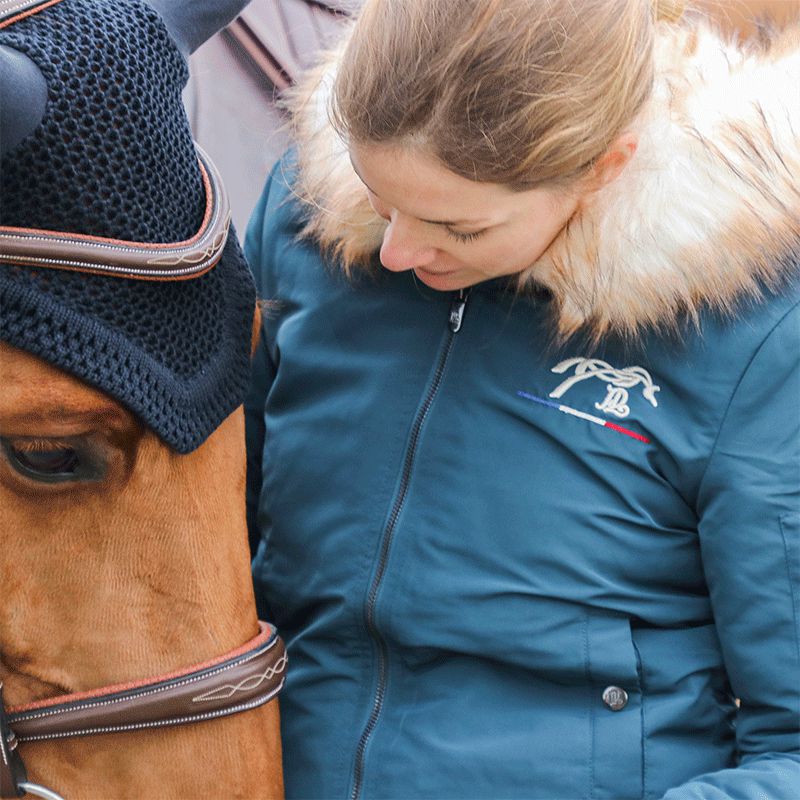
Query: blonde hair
x=518, y=92
x=668, y=10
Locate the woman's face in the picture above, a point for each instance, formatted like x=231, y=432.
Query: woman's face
x=451, y=231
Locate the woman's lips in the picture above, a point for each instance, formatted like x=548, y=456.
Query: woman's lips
x=442, y=281
x=434, y=274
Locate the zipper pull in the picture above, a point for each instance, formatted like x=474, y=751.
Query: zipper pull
x=457, y=308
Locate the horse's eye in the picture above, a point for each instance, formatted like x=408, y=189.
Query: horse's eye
x=51, y=462
x=61, y=461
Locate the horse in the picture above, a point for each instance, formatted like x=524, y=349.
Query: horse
x=132, y=663
x=138, y=568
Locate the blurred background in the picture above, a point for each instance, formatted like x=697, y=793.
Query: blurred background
x=237, y=79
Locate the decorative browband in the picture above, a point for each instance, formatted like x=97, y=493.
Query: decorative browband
x=13, y=10
x=161, y=262
x=246, y=678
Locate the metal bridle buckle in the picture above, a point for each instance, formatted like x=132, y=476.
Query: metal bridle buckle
x=13, y=778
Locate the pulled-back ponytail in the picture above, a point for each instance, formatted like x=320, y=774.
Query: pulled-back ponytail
x=519, y=92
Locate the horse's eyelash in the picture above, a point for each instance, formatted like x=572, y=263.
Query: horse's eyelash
x=39, y=445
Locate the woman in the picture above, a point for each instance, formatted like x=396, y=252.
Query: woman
x=528, y=404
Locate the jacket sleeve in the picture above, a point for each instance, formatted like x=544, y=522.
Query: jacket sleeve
x=749, y=506
x=263, y=369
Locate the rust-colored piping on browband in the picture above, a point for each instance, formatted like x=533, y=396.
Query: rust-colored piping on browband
x=122, y=259
x=24, y=8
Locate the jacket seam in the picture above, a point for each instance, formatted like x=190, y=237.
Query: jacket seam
x=642, y=714
x=592, y=715
x=734, y=393
x=792, y=593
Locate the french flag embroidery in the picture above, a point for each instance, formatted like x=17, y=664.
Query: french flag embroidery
x=583, y=415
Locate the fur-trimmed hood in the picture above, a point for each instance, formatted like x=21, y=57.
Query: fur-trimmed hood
x=707, y=212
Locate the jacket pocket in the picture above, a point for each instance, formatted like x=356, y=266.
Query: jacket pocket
x=615, y=706
x=790, y=530
x=687, y=705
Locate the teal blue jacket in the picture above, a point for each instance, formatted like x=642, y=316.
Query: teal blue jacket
x=509, y=569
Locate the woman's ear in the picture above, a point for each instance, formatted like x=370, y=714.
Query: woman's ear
x=610, y=165
x=23, y=97
x=192, y=22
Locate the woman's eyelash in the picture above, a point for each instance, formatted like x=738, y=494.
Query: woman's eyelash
x=464, y=237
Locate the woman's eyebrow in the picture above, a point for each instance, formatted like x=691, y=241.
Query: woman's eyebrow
x=444, y=223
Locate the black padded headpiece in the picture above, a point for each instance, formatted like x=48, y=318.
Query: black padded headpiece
x=112, y=156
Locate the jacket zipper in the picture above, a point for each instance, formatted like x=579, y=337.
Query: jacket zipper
x=455, y=322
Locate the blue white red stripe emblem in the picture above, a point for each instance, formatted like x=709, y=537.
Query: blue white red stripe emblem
x=583, y=415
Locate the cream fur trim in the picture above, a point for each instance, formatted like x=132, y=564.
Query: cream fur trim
x=706, y=213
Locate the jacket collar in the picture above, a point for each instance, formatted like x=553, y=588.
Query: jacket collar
x=706, y=214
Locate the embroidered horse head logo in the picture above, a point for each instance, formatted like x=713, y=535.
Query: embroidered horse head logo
x=618, y=381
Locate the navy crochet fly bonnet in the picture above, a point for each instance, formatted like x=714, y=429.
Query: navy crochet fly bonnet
x=113, y=157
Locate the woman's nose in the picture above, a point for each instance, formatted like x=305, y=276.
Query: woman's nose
x=402, y=248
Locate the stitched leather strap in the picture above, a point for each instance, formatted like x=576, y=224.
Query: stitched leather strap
x=245, y=679
x=122, y=259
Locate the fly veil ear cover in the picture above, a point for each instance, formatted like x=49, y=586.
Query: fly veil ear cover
x=109, y=182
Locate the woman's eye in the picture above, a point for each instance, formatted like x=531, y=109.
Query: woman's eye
x=47, y=462
x=464, y=237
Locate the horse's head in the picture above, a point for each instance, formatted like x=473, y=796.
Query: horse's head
x=127, y=314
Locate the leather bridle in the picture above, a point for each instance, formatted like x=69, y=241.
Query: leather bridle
x=245, y=678
x=117, y=258
x=237, y=681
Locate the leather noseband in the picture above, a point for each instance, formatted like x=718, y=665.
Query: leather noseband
x=245, y=678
